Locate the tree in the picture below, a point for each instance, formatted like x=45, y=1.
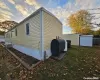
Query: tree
x=80, y=22
x=97, y=33
x=2, y=32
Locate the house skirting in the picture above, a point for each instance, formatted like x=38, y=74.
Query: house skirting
x=31, y=52
x=2, y=40
x=48, y=53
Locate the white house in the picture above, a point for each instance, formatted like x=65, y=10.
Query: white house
x=2, y=39
x=34, y=34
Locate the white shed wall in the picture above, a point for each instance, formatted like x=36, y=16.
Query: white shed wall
x=86, y=40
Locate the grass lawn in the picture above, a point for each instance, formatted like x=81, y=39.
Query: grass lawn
x=78, y=62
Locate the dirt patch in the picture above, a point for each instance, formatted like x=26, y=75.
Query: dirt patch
x=7, y=65
x=12, y=69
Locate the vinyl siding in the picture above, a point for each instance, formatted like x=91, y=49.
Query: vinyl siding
x=52, y=28
x=73, y=37
x=8, y=37
x=33, y=39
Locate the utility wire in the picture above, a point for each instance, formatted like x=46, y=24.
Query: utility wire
x=96, y=24
x=94, y=13
x=97, y=18
x=94, y=9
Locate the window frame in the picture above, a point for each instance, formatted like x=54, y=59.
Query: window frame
x=16, y=32
x=11, y=34
x=27, y=29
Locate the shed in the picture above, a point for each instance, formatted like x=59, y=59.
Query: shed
x=80, y=40
x=34, y=34
x=86, y=40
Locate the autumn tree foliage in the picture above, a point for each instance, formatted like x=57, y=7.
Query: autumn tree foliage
x=80, y=22
x=97, y=33
x=2, y=32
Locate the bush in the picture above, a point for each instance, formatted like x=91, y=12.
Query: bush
x=2, y=32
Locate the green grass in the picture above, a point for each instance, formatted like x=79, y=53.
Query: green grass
x=78, y=62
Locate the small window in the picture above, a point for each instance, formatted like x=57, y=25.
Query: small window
x=11, y=34
x=16, y=31
x=27, y=29
x=7, y=35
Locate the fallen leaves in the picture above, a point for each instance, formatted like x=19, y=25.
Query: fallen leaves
x=65, y=74
x=83, y=63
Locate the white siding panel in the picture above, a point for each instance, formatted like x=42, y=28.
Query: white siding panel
x=52, y=28
x=73, y=37
x=8, y=37
x=2, y=39
x=32, y=40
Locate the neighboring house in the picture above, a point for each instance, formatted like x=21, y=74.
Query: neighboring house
x=34, y=34
x=2, y=39
x=80, y=40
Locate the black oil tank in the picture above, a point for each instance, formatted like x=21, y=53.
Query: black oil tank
x=57, y=46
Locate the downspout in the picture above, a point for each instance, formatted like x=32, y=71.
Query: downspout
x=42, y=35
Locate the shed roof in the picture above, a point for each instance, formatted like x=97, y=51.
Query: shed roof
x=71, y=34
x=87, y=35
x=43, y=9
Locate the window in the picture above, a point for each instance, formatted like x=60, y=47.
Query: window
x=27, y=29
x=16, y=31
x=6, y=35
x=11, y=34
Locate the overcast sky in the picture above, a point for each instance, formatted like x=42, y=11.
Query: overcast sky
x=17, y=10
